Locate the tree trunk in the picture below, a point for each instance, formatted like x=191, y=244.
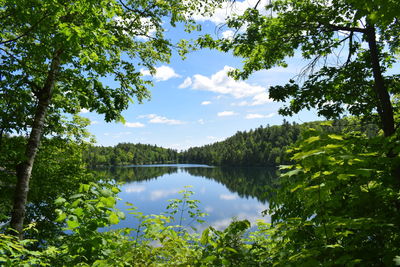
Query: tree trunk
x=24, y=169
x=385, y=108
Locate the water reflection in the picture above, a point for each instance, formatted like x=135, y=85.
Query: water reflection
x=255, y=182
x=224, y=193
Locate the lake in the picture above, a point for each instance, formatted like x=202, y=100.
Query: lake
x=224, y=192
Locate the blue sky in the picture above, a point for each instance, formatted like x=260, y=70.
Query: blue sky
x=194, y=102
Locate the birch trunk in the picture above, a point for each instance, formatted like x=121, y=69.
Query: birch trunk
x=24, y=169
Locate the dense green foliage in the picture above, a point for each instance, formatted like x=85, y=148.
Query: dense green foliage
x=58, y=169
x=125, y=153
x=337, y=204
x=349, y=48
x=263, y=146
x=159, y=240
x=55, y=57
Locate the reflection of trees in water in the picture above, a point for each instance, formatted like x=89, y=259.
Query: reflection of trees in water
x=247, y=182
x=134, y=174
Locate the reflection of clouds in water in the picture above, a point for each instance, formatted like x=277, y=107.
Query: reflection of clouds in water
x=251, y=217
x=157, y=194
x=203, y=190
x=208, y=209
x=228, y=196
x=135, y=189
x=251, y=207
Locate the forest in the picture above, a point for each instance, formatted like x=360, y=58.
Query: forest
x=263, y=146
x=336, y=201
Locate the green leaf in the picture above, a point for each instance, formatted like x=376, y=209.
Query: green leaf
x=335, y=137
x=61, y=217
x=72, y=224
x=204, y=236
x=312, y=139
x=60, y=201
x=109, y=202
x=113, y=218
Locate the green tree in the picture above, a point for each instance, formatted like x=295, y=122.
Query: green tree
x=360, y=39
x=60, y=53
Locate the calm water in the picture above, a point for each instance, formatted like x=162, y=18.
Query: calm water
x=224, y=193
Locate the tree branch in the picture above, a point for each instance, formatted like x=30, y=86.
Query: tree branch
x=347, y=29
x=25, y=33
x=351, y=48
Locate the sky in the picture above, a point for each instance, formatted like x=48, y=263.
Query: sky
x=194, y=102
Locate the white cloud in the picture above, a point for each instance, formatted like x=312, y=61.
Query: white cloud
x=205, y=103
x=135, y=189
x=201, y=121
x=259, y=116
x=228, y=34
x=94, y=122
x=84, y=110
x=153, y=118
x=162, y=73
x=134, y=124
x=221, y=83
x=186, y=83
x=228, y=196
x=259, y=99
x=226, y=113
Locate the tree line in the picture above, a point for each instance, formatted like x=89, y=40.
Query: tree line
x=263, y=146
x=127, y=153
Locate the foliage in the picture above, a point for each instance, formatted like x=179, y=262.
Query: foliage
x=126, y=153
x=95, y=39
x=157, y=241
x=263, y=146
x=58, y=168
x=350, y=47
x=338, y=205
x=56, y=56
x=14, y=252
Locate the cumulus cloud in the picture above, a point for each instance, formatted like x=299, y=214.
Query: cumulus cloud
x=259, y=99
x=221, y=83
x=226, y=113
x=259, y=116
x=186, y=83
x=134, y=124
x=205, y=103
x=84, y=110
x=163, y=73
x=154, y=118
